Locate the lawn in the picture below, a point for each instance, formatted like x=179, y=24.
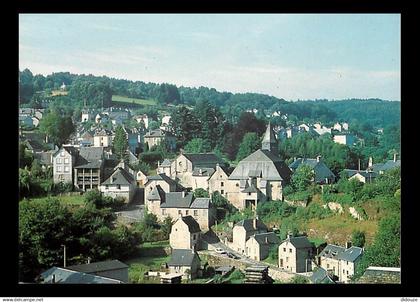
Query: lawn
x=127, y=100
x=76, y=200
x=138, y=266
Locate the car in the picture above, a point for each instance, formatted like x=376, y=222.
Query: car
x=220, y=251
x=233, y=256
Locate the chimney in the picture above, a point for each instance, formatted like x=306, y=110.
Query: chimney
x=318, y=158
x=289, y=235
x=359, y=164
x=254, y=222
x=370, y=164
x=395, y=157
x=183, y=194
x=266, y=240
x=88, y=260
x=348, y=244
x=53, y=278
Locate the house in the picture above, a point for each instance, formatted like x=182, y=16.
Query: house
x=142, y=119
x=45, y=158
x=165, y=167
x=185, y=164
x=184, y=261
x=141, y=178
x=362, y=176
x=304, y=127
x=35, y=121
x=185, y=233
x=86, y=139
x=341, y=261
x=25, y=121
x=388, y=165
x=323, y=174
x=165, y=122
x=338, y=127
x=321, y=130
x=382, y=275
x=258, y=245
x=344, y=139
x=64, y=161
x=87, y=115
x=157, y=136
x=295, y=254
x=113, y=269
x=120, y=184
x=200, y=178
x=345, y=126
x=321, y=276
x=103, y=138
x=101, y=118
x=218, y=181
x=89, y=168
x=176, y=204
x=58, y=275
x=260, y=176
x=166, y=183
x=243, y=230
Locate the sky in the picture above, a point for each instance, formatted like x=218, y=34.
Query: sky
x=290, y=56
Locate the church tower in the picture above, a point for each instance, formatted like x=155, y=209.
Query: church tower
x=269, y=141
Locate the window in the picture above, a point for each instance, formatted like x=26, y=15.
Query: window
x=222, y=183
x=290, y=250
x=179, y=212
x=194, y=236
x=118, y=187
x=249, y=193
x=59, y=169
x=237, y=184
x=163, y=211
x=347, y=272
x=186, y=212
x=344, y=271
x=328, y=265
x=58, y=161
x=62, y=153
x=66, y=160
x=195, y=212
x=106, y=187
x=66, y=169
x=222, y=192
x=287, y=259
x=284, y=249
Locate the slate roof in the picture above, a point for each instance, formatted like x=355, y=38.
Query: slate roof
x=321, y=276
x=103, y=132
x=203, y=172
x=381, y=275
x=300, y=242
x=266, y=238
x=90, y=157
x=201, y=203
x=332, y=251
x=364, y=173
x=269, y=135
x=34, y=145
x=340, y=253
x=248, y=225
x=270, y=165
x=182, y=257
x=163, y=177
x=192, y=224
x=320, y=168
x=101, y=266
x=119, y=177
x=177, y=200
x=155, y=133
x=390, y=164
x=156, y=194
x=208, y=160
x=166, y=163
x=250, y=189
x=67, y=276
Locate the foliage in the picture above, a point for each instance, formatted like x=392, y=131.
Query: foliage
x=302, y=178
x=299, y=280
x=200, y=192
x=249, y=144
x=358, y=238
x=57, y=128
x=275, y=209
x=197, y=145
x=151, y=158
x=25, y=157
x=120, y=143
x=167, y=93
x=184, y=125
x=96, y=93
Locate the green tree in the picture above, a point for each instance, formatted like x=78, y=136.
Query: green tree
x=358, y=238
x=26, y=87
x=57, y=128
x=120, y=143
x=197, y=145
x=200, y=192
x=167, y=93
x=249, y=144
x=302, y=178
x=184, y=126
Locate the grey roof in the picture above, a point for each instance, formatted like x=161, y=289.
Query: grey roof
x=98, y=266
x=65, y=275
x=103, y=132
x=351, y=254
x=192, y=224
x=390, y=164
x=250, y=189
x=320, y=168
x=163, y=177
x=321, y=276
x=34, y=145
x=201, y=203
x=119, y=177
x=208, y=160
x=166, y=162
x=203, y=171
x=156, y=194
x=300, y=242
x=90, y=157
x=270, y=165
x=182, y=257
x=177, y=200
x=255, y=173
x=332, y=251
x=364, y=173
x=266, y=238
x=248, y=225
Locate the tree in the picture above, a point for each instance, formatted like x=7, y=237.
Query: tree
x=358, y=238
x=200, y=192
x=25, y=158
x=184, y=126
x=302, y=178
x=197, y=145
x=57, y=128
x=167, y=93
x=120, y=143
x=26, y=87
x=249, y=144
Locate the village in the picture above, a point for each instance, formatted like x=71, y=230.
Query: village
x=183, y=189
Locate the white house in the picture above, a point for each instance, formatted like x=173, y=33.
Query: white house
x=121, y=183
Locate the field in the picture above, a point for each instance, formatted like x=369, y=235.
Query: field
x=138, y=266
x=76, y=200
x=129, y=101
x=58, y=92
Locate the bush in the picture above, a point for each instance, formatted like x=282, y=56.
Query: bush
x=200, y=192
x=358, y=238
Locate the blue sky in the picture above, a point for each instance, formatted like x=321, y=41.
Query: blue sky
x=293, y=56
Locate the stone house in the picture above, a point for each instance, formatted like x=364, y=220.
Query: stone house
x=121, y=184
x=258, y=245
x=184, y=261
x=88, y=169
x=113, y=269
x=323, y=175
x=86, y=139
x=141, y=178
x=165, y=167
x=103, y=138
x=243, y=230
x=64, y=161
x=362, y=176
x=388, y=165
x=260, y=176
x=166, y=184
x=340, y=261
x=200, y=178
x=176, y=204
x=345, y=139
x=295, y=254
x=185, y=233
x=218, y=181
x=157, y=136
x=185, y=164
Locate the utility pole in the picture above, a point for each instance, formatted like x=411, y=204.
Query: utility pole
x=64, y=246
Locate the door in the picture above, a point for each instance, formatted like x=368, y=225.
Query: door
x=281, y=262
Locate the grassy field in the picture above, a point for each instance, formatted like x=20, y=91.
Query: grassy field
x=138, y=266
x=127, y=100
x=76, y=200
x=58, y=92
